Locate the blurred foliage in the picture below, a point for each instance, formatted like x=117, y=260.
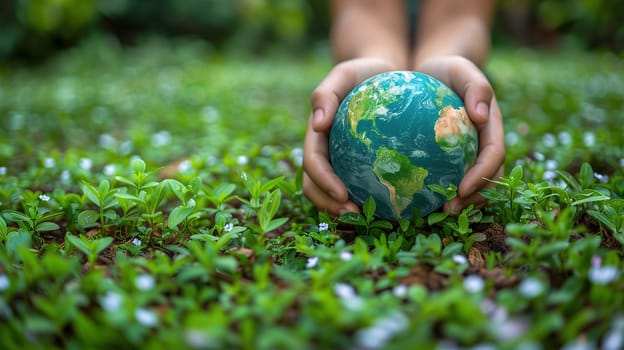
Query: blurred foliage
x=584, y=24
x=34, y=28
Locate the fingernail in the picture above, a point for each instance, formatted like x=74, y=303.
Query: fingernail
x=318, y=115
x=483, y=109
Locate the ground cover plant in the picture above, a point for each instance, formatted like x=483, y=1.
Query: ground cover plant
x=151, y=197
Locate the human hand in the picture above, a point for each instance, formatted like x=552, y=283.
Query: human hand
x=320, y=183
x=469, y=82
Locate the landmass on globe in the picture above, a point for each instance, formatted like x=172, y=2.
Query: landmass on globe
x=395, y=134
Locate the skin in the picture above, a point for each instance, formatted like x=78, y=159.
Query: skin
x=451, y=43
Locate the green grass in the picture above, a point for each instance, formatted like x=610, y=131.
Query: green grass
x=151, y=197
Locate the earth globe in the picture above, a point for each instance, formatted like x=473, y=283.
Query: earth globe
x=397, y=133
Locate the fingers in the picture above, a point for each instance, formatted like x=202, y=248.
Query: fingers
x=491, y=154
x=468, y=81
x=323, y=201
x=458, y=203
x=320, y=183
x=339, y=82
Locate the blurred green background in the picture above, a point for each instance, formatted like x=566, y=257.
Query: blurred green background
x=36, y=29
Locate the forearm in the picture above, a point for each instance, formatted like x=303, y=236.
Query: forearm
x=448, y=27
x=371, y=29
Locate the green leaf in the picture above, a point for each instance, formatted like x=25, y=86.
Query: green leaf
x=16, y=239
x=102, y=243
x=352, y=219
x=15, y=216
x=47, y=226
x=434, y=218
x=383, y=224
x=551, y=248
x=103, y=189
x=369, y=208
x=274, y=224
x=602, y=218
x=79, y=244
x=128, y=197
x=586, y=175
x=270, y=184
x=592, y=199
x=91, y=193
x=517, y=173
x=462, y=222
x=4, y=230
x=179, y=214
x=138, y=166
x=88, y=218
x=178, y=189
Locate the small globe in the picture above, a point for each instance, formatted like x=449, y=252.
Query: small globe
x=397, y=133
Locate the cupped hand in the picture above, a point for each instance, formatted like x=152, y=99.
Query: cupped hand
x=469, y=82
x=320, y=183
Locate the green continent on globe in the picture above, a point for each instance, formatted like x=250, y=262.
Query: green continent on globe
x=402, y=178
x=367, y=104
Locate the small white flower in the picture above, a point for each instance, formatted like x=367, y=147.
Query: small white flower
x=346, y=255
x=549, y=140
x=3, y=170
x=107, y=141
x=538, y=156
x=228, y=227
x=549, y=175
x=109, y=170
x=44, y=197
x=531, y=287
x=622, y=162
x=589, y=139
x=312, y=262
x=551, y=164
x=185, y=166
x=146, y=317
x=4, y=282
x=86, y=163
x=460, y=259
x=297, y=156
x=348, y=296
x=511, y=329
x=379, y=333
x=400, y=291
x=512, y=138
x=161, y=138
x=126, y=147
x=49, y=163
x=144, y=282
x=198, y=339
x=613, y=340
x=474, y=284
x=136, y=242
x=602, y=178
x=242, y=160
x=191, y=203
x=65, y=176
x=603, y=274
x=323, y=226
x=565, y=138
x=111, y=301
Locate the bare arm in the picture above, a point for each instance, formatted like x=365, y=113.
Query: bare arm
x=370, y=29
x=454, y=27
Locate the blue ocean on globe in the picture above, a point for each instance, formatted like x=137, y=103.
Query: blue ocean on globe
x=395, y=134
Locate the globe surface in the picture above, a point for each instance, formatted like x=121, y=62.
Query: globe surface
x=396, y=133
